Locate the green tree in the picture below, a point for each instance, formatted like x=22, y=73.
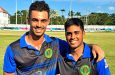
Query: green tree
x=71, y=14
x=62, y=10
x=98, y=18
x=21, y=17
x=53, y=15
x=12, y=19
x=77, y=14
x=113, y=18
x=24, y=14
x=63, y=18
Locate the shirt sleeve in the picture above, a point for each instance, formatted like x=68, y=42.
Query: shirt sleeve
x=102, y=67
x=9, y=63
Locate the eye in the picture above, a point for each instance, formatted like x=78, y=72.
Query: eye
x=76, y=32
x=34, y=20
x=68, y=33
x=44, y=20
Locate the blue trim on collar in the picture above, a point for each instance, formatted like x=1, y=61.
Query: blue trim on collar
x=23, y=42
x=86, y=53
x=47, y=38
x=69, y=56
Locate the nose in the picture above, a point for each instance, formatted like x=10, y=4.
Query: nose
x=38, y=23
x=73, y=36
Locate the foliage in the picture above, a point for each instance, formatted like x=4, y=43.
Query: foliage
x=91, y=19
x=21, y=17
x=71, y=13
x=100, y=19
x=112, y=16
x=77, y=14
x=57, y=20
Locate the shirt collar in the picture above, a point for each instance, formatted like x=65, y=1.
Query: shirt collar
x=86, y=53
x=23, y=42
x=47, y=38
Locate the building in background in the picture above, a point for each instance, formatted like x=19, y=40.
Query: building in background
x=4, y=17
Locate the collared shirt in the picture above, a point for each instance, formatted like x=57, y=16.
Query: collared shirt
x=9, y=61
x=101, y=66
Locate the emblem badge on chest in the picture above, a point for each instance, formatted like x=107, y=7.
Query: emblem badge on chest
x=85, y=70
x=48, y=53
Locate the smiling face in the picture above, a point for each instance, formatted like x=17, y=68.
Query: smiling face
x=74, y=36
x=38, y=22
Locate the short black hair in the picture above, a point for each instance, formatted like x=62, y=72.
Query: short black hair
x=39, y=6
x=74, y=21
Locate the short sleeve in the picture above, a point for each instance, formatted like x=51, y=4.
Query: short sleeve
x=9, y=65
x=103, y=68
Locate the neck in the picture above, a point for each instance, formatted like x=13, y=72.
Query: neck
x=35, y=41
x=77, y=53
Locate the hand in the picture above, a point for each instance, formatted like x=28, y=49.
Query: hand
x=97, y=52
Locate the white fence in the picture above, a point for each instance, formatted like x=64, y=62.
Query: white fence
x=88, y=28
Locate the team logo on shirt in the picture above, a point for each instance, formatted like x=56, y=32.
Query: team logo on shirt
x=48, y=53
x=85, y=70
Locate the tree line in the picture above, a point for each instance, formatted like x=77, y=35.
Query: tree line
x=56, y=19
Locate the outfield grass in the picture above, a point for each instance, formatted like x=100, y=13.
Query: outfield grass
x=104, y=39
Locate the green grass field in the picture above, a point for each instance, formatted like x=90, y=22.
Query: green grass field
x=104, y=39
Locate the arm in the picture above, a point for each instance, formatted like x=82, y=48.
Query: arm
x=63, y=47
x=97, y=52
x=9, y=66
x=5, y=73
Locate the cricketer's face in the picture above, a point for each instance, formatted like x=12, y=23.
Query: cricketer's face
x=38, y=21
x=74, y=36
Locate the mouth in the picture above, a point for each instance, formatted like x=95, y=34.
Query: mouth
x=38, y=29
x=73, y=41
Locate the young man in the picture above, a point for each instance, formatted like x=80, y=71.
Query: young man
x=80, y=60
x=35, y=53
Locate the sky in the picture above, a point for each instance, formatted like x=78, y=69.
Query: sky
x=83, y=6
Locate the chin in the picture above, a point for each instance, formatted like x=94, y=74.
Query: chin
x=74, y=46
x=38, y=35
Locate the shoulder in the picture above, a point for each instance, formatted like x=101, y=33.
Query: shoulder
x=15, y=43
x=9, y=49
x=19, y=41
x=11, y=45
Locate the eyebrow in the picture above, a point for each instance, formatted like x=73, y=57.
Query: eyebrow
x=39, y=19
x=74, y=31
